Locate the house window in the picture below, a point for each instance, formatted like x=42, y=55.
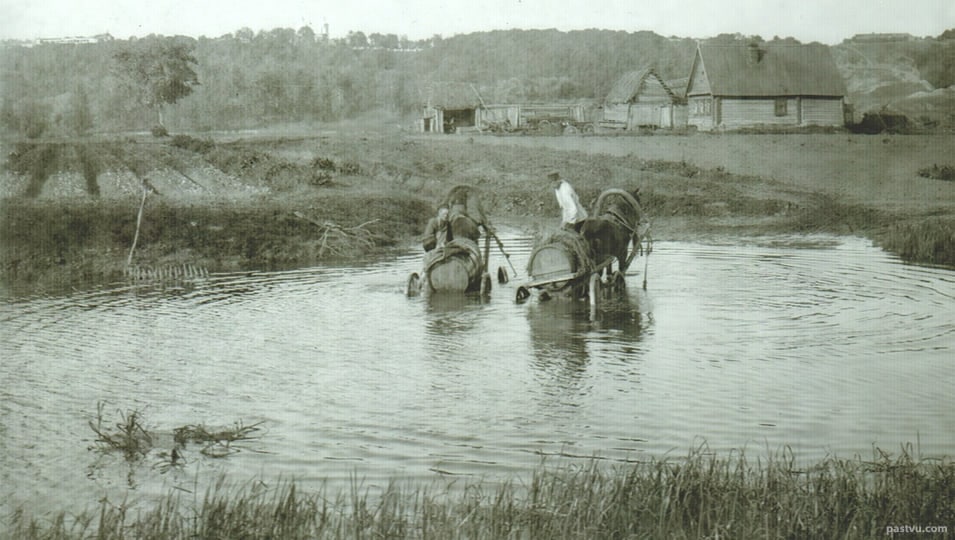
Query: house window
x=781, y=107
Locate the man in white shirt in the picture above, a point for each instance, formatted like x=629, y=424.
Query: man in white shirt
x=572, y=213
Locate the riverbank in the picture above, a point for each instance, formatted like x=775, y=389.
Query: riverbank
x=699, y=496
x=70, y=209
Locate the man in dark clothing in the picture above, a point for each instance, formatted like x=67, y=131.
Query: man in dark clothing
x=436, y=232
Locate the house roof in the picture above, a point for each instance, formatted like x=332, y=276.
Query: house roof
x=678, y=86
x=768, y=69
x=449, y=95
x=630, y=83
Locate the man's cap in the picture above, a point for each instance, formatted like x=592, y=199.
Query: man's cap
x=553, y=175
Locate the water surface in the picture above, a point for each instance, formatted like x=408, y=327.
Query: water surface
x=823, y=344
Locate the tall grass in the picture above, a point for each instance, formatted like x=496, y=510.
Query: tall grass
x=700, y=496
x=930, y=241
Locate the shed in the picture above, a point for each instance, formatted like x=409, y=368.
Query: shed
x=740, y=85
x=639, y=99
x=448, y=107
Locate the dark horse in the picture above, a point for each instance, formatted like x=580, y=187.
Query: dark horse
x=465, y=212
x=616, y=218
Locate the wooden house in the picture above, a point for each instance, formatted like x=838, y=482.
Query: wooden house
x=639, y=99
x=733, y=86
x=448, y=107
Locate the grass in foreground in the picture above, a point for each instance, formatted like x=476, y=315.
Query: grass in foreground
x=701, y=496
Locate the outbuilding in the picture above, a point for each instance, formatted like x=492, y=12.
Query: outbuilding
x=738, y=85
x=449, y=107
x=639, y=99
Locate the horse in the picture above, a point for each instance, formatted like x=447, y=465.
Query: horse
x=466, y=212
x=613, y=225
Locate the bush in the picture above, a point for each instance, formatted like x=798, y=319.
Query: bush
x=945, y=172
x=160, y=131
x=350, y=168
x=200, y=146
x=34, y=119
x=324, y=164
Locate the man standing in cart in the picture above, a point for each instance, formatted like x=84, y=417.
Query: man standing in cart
x=572, y=213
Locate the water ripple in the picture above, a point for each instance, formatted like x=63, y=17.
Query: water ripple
x=819, y=343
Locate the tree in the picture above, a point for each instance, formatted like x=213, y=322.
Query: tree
x=159, y=72
x=306, y=34
x=244, y=35
x=80, y=119
x=357, y=40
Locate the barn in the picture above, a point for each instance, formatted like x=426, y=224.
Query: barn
x=448, y=107
x=734, y=86
x=639, y=99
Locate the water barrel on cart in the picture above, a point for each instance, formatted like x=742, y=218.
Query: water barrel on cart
x=455, y=268
x=562, y=254
x=549, y=261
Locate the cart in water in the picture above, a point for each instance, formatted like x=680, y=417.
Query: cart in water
x=579, y=265
x=457, y=264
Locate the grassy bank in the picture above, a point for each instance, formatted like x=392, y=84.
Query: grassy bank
x=58, y=244
x=700, y=496
x=68, y=214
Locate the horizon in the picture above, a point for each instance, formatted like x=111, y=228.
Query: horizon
x=420, y=20
x=319, y=31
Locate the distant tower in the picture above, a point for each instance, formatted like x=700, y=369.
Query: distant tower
x=325, y=32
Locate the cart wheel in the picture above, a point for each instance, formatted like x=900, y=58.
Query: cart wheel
x=594, y=290
x=522, y=295
x=501, y=275
x=414, y=285
x=486, y=284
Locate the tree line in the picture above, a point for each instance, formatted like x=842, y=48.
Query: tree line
x=245, y=80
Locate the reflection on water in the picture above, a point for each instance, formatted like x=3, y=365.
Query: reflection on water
x=823, y=344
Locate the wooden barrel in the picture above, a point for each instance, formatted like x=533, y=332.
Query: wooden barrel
x=454, y=268
x=550, y=261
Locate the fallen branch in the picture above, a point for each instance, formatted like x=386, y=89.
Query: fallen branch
x=337, y=239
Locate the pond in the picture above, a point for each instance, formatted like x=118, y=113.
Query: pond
x=825, y=345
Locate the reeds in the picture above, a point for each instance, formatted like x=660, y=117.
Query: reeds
x=699, y=496
x=931, y=241
x=215, y=443
x=129, y=437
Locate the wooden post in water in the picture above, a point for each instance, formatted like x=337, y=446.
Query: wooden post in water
x=139, y=221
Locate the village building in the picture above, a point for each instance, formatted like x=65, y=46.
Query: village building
x=734, y=86
x=642, y=99
x=449, y=107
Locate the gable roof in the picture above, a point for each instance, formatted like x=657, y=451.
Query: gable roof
x=678, y=86
x=449, y=95
x=629, y=85
x=768, y=69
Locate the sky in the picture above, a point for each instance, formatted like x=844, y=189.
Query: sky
x=826, y=21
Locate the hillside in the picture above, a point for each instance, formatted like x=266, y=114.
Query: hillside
x=251, y=81
x=913, y=76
